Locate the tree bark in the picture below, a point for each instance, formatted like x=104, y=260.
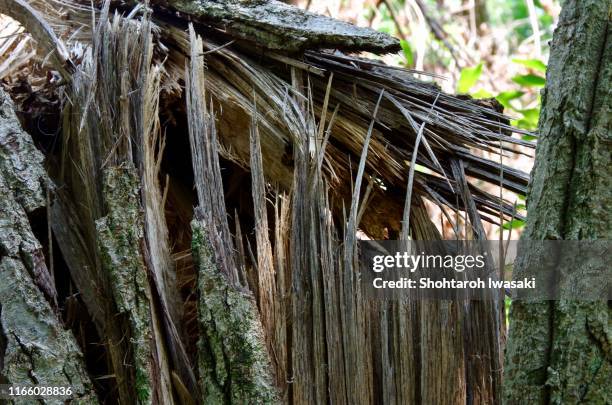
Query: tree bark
x=274, y=25
x=34, y=346
x=233, y=363
x=559, y=352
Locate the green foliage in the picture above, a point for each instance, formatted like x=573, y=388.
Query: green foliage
x=407, y=51
x=534, y=64
x=505, y=97
x=468, y=78
x=529, y=80
x=386, y=24
x=515, y=13
x=507, y=305
x=529, y=120
x=481, y=93
x=514, y=224
x=529, y=117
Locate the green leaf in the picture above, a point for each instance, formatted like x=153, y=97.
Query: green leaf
x=529, y=80
x=386, y=27
x=529, y=138
x=482, y=93
x=531, y=114
x=506, y=96
x=407, y=52
x=514, y=224
x=530, y=119
x=534, y=64
x=468, y=78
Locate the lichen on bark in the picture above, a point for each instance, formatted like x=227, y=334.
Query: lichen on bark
x=275, y=25
x=118, y=236
x=34, y=347
x=233, y=361
x=37, y=348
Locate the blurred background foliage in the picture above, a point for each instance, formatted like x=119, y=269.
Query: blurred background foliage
x=483, y=48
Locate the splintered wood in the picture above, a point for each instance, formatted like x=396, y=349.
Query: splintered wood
x=290, y=154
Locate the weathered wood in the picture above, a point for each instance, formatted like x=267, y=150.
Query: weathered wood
x=119, y=237
x=36, y=349
x=233, y=362
x=23, y=187
x=270, y=307
x=330, y=354
x=34, y=346
x=111, y=227
x=559, y=352
x=276, y=25
x=44, y=35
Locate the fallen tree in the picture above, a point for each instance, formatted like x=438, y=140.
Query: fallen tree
x=254, y=296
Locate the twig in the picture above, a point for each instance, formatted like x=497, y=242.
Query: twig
x=438, y=31
x=398, y=26
x=533, y=20
x=472, y=14
x=218, y=48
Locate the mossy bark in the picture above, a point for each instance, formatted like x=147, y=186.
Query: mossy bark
x=559, y=352
x=34, y=346
x=233, y=361
x=119, y=236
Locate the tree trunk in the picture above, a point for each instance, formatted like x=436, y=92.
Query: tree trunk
x=34, y=347
x=559, y=351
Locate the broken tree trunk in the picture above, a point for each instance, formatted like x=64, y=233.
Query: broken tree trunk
x=35, y=348
x=109, y=217
x=233, y=362
x=324, y=340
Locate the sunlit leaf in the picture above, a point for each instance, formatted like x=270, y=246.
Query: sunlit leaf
x=387, y=27
x=468, y=78
x=529, y=121
x=506, y=96
x=523, y=124
x=530, y=118
x=534, y=64
x=482, y=93
x=514, y=224
x=529, y=138
x=529, y=80
x=407, y=52
x=531, y=114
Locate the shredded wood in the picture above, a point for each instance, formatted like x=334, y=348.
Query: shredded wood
x=302, y=155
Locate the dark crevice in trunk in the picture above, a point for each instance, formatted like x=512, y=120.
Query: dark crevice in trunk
x=75, y=316
x=40, y=115
x=176, y=179
x=176, y=167
x=601, y=61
